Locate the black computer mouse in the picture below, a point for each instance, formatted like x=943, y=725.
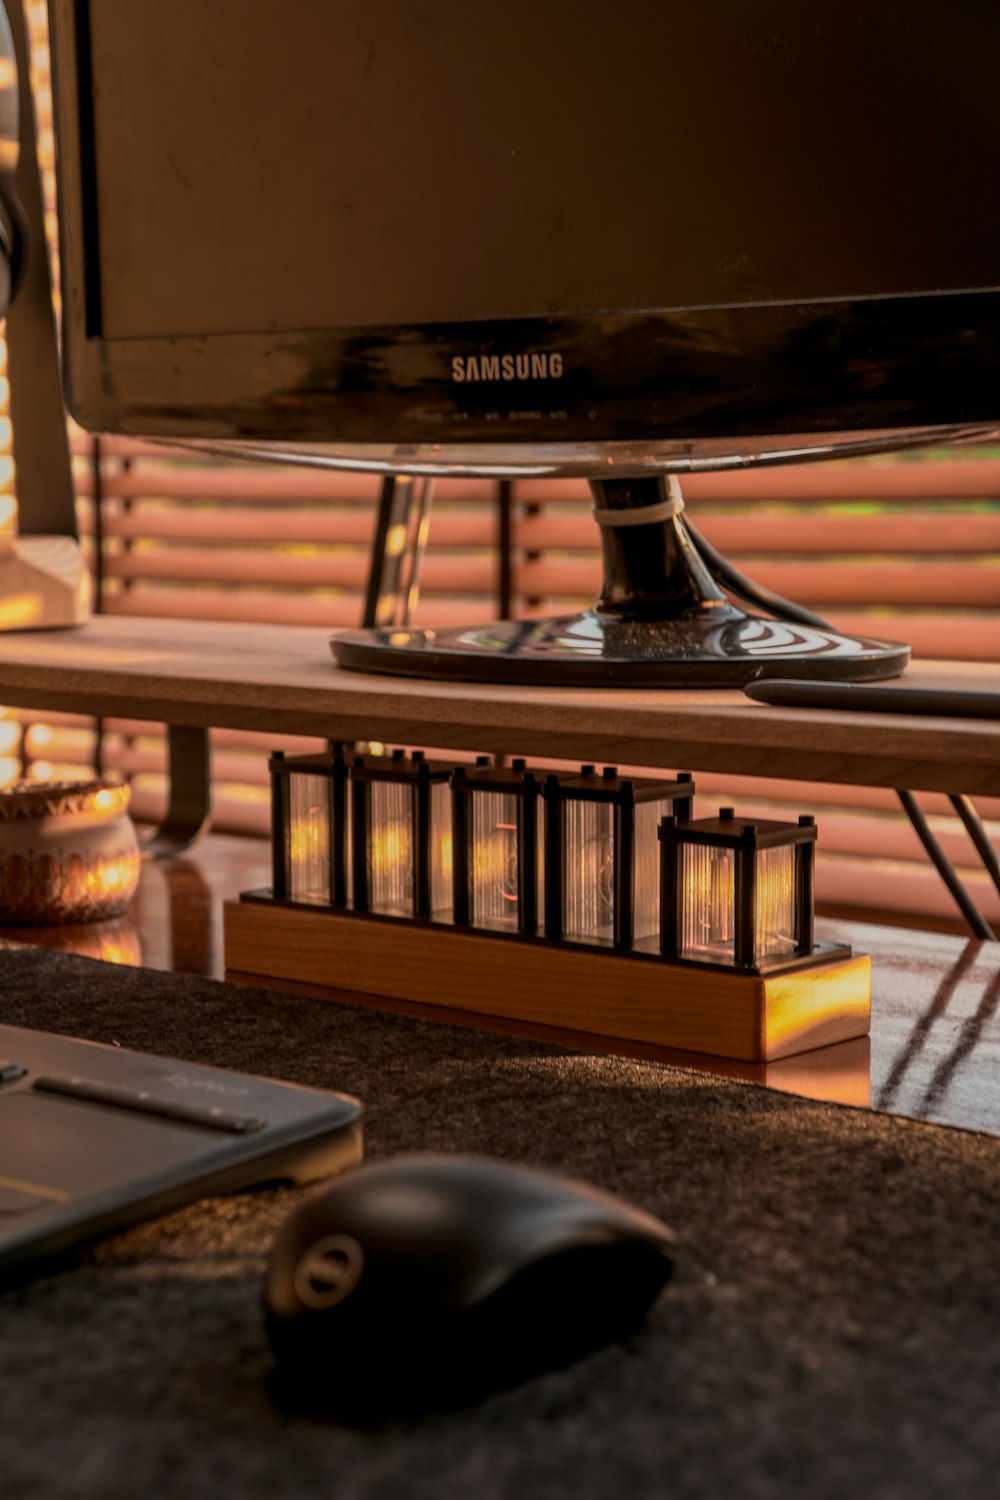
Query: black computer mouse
x=430, y=1280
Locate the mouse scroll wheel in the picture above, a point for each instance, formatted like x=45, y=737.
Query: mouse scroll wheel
x=329, y=1270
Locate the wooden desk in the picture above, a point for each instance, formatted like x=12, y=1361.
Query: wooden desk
x=283, y=679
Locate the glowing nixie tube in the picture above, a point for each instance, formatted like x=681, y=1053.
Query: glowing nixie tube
x=737, y=893
x=401, y=821
x=602, y=857
x=310, y=828
x=499, y=857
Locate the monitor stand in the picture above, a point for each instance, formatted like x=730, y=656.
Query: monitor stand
x=661, y=619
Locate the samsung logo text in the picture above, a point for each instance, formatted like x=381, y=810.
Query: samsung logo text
x=466, y=368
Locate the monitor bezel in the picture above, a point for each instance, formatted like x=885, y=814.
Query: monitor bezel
x=656, y=388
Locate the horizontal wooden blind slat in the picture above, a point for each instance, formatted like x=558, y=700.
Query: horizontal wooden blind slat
x=187, y=523
x=903, y=531
x=806, y=580
x=278, y=608
x=334, y=569
x=230, y=813
x=342, y=526
x=717, y=789
x=269, y=609
x=158, y=482
x=882, y=888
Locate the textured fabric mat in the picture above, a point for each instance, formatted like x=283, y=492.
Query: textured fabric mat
x=833, y=1328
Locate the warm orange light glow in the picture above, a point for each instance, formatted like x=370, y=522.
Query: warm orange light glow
x=38, y=736
x=390, y=847
x=709, y=900
x=309, y=839
x=129, y=954
x=20, y=610
x=114, y=877
x=494, y=862
x=709, y=909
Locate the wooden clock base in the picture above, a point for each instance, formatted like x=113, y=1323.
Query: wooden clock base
x=634, y=997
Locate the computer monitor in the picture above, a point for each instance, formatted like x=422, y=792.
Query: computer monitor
x=545, y=236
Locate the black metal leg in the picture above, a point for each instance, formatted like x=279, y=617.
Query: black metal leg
x=190, y=794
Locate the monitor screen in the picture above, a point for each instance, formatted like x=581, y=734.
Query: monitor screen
x=528, y=226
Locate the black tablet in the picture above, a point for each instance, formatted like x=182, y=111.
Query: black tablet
x=93, y=1138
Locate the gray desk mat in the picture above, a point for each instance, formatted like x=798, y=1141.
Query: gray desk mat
x=834, y=1326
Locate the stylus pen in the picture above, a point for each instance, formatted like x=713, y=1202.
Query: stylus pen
x=789, y=692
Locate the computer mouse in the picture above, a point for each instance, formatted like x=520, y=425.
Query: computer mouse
x=430, y=1280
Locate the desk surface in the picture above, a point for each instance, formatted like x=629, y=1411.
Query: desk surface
x=283, y=679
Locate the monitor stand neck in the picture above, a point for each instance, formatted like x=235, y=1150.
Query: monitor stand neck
x=652, y=569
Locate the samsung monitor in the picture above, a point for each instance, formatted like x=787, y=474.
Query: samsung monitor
x=558, y=237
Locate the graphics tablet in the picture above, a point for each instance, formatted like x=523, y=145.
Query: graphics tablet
x=93, y=1138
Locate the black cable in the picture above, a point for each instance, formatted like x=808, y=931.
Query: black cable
x=737, y=583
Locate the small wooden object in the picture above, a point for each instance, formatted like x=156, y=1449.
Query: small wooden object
x=634, y=997
x=43, y=582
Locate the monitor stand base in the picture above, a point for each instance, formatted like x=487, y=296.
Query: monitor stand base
x=720, y=646
x=662, y=619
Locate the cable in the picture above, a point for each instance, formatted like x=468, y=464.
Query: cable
x=754, y=593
